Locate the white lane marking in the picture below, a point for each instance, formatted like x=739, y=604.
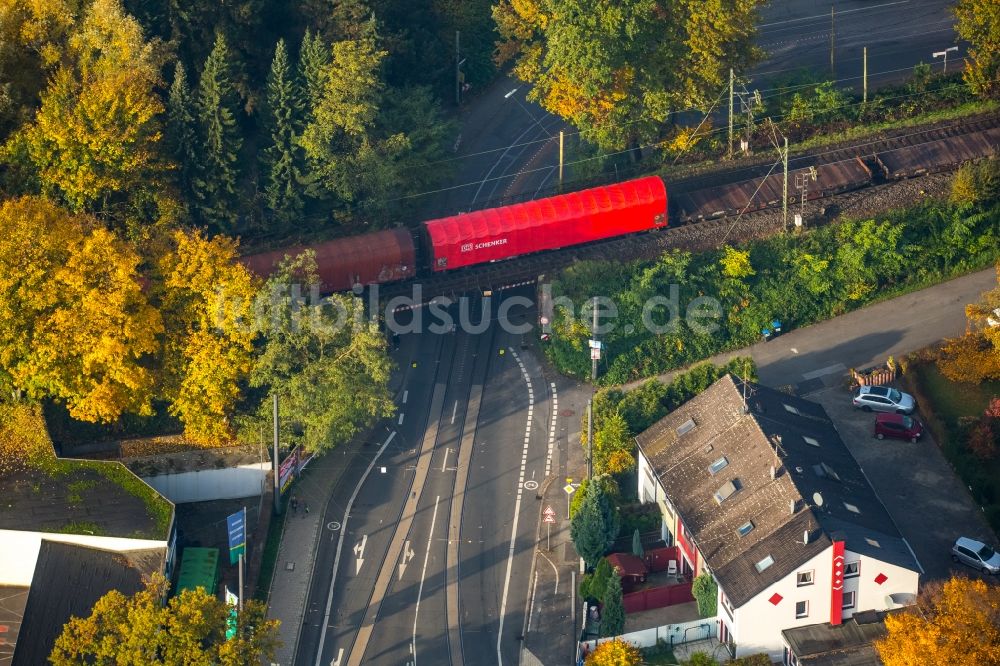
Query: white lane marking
x=340, y=546
x=401, y=415
x=531, y=606
x=445, y=460
x=423, y=573
x=359, y=552
x=554, y=568
x=517, y=507
x=340, y=655
x=454, y=411
x=828, y=370
x=406, y=556
x=552, y=429
x=406, y=394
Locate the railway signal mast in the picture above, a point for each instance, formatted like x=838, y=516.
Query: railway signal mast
x=802, y=184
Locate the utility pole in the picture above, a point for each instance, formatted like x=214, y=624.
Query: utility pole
x=784, y=189
x=274, y=462
x=833, y=69
x=560, y=160
x=595, y=354
x=458, y=72
x=864, y=98
x=241, y=561
x=730, y=113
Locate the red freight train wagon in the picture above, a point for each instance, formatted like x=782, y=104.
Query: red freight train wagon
x=547, y=224
x=382, y=256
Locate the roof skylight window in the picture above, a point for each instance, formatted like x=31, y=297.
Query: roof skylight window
x=810, y=441
x=745, y=528
x=850, y=507
x=789, y=408
x=718, y=465
x=685, y=427
x=727, y=490
x=764, y=563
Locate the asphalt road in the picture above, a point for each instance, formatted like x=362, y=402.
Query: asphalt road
x=898, y=33
x=429, y=550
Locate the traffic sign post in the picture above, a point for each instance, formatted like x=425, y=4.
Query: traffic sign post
x=548, y=517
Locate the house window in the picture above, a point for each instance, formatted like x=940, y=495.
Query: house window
x=801, y=609
x=849, y=598
x=718, y=465
x=804, y=578
x=726, y=606
x=745, y=528
x=852, y=569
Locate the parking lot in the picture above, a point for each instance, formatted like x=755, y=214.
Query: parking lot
x=923, y=494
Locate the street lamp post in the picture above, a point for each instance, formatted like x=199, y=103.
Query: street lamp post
x=938, y=54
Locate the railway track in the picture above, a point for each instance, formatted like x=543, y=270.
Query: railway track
x=527, y=269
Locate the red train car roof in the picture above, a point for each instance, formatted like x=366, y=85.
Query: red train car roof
x=545, y=224
x=381, y=256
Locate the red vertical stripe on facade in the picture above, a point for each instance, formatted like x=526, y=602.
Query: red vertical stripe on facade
x=837, y=584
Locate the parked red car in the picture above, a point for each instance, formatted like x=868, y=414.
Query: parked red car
x=898, y=426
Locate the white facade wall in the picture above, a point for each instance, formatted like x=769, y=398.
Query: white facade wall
x=19, y=550
x=211, y=484
x=871, y=595
x=757, y=624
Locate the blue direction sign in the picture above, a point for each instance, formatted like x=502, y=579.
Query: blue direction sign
x=236, y=525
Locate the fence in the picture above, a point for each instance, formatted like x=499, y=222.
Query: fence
x=672, y=634
x=657, y=597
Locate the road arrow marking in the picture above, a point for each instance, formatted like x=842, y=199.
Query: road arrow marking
x=340, y=655
x=408, y=555
x=359, y=551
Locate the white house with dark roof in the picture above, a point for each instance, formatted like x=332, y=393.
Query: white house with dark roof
x=757, y=488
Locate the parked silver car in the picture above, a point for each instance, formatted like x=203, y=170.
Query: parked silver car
x=976, y=554
x=884, y=399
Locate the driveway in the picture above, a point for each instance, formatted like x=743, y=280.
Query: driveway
x=924, y=496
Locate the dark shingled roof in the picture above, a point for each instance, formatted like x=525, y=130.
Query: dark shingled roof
x=811, y=466
x=12, y=602
x=845, y=644
x=68, y=581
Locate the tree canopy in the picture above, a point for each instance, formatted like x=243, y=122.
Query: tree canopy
x=74, y=322
x=94, y=139
x=189, y=629
x=979, y=24
x=617, y=70
x=206, y=301
x=614, y=653
x=325, y=360
x=594, y=526
x=954, y=623
x=975, y=356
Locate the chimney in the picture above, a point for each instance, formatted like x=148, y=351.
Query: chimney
x=774, y=472
x=805, y=537
x=791, y=506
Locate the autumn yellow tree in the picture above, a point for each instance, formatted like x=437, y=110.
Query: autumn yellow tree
x=979, y=24
x=189, y=629
x=618, y=69
x=615, y=652
x=93, y=140
x=975, y=356
x=207, y=305
x=956, y=623
x=75, y=324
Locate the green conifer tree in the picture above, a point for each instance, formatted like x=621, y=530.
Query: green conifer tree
x=594, y=525
x=215, y=188
x=613, y=608
x=314, y=67
x=181, y=137
x=282, y=171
